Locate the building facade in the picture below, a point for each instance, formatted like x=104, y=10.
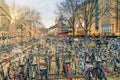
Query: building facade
x=62, y=26
x=109, y=23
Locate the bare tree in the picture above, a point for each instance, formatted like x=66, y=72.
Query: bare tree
x=31, y=16
x=115, y=12
x=28, y=18
x=118, y=15
x=83, y=11
x=5, y=18
x=67, y=9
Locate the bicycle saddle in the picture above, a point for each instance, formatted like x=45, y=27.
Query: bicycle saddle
x=34, y=64
x=43, y=68
x=87, y=62
x=22, y=64
x=67, y=62
x=89, y=66
x=99, y=60
x=104, y=60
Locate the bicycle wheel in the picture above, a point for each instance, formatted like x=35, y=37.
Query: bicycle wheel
x=12, y=70
x=33, y=73
x=111, y=66
x=1, y=74
x=99, y=74
x=1, y=77
x=23, y=73
x=88, y=76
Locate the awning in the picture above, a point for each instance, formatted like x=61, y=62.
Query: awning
x=63, y=34
x=82, y=32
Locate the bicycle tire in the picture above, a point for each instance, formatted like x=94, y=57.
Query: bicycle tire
x=99, y=74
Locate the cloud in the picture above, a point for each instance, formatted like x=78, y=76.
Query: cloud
x=48, y=20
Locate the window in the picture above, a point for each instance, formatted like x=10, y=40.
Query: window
x=107, y=28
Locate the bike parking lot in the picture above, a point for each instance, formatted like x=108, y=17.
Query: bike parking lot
x=63, y=62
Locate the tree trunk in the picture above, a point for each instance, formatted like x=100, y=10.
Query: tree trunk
x=86, y=33
x=86, y=30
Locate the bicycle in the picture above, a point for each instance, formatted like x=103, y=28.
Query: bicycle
x=12, y=71
x=23, y=71
x=32, y=71
x=2, y=75
x=98, y=71
x=43, y=73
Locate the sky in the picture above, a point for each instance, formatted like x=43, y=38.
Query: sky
x=45, y=7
